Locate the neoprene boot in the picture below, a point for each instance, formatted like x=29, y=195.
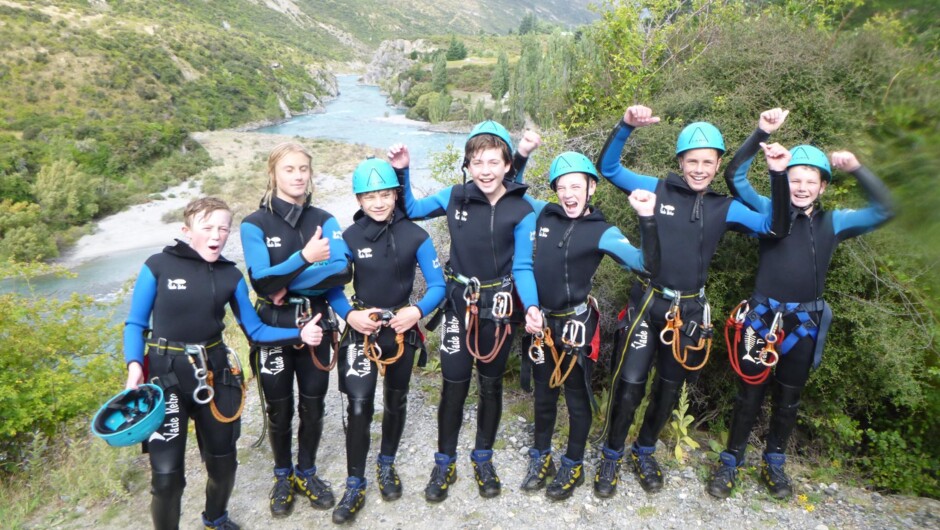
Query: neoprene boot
x=786, y=404
x=724, y=477
x=579, y=422
x=570, y=475
x=546, y=412
x=443, y=475
x=388, y=481
x=608, y=473
x=485, y=473
x=393, y=419
x=665, y=394
x=540, y=468
x=353, y=499
x=220, y=482
x=166, y=503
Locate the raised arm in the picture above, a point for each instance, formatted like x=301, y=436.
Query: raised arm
x=529, y=142
x=609, y=160
x=851, y=223
x=428, y=207
x=736, y=172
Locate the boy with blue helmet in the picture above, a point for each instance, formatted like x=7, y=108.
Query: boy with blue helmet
x=491, y=223
x=572, y=237
x=180, y=295
x=691, y=219
x=787, y=299
x=382, y=334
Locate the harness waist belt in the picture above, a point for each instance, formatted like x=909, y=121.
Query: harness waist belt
x=568, y=311
x=670, y=294
x=484, y=284
x=172, y=347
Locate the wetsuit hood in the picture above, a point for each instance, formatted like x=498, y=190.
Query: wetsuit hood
x=288, y=211
x=183, y=250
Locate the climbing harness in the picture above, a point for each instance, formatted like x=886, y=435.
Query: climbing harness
x=196, y=353
x=674, y=324
x=767, y=356
x=502, y=310
x=536, y=353
x=373, y=351
x=303, y=313
x=572, y=337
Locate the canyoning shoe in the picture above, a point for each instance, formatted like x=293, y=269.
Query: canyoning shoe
x=724, y=477
x=540, y=468
x=570, y=475
x=608, y=473
x=442, y=476
x=485, y=473
x=315, y=488
x=353, y=499
x=282, y=494
x=646, y=468
x=387, y=478
x=222, y=523
x=774, y=477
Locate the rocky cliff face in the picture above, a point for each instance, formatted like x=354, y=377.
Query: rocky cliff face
x=392, y=58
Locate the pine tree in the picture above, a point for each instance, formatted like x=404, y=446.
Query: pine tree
x=499, y=85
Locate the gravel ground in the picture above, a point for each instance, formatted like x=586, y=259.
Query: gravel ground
x=683, y=502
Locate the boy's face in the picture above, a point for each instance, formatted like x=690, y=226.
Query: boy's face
x=699, y=167
x=573, y=191
x=806, y=185
x=378, y=205
x=291, y=175
x=487, y=168
x=208, y=233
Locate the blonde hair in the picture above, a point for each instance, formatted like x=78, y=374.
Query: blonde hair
x=279, y=152
x=204, y=206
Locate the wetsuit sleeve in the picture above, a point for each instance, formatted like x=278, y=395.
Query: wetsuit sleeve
x=736, y=173
x=338, y=301
x=851, y=223
x=329, y=273
x=251, y=324
x=433, y=277
x=518, y=168
x=772, y=223
x=145, y=293
x=522, y=272
x=617, y=246
x=267, y=279
x=431, y=206
x=609, y=163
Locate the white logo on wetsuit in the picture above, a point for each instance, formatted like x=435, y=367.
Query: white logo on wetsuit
x=354, y=356
x=640, y=342
x=450, y=339
x=365, y=252
x=337, y=234
x=176, y=285
x=171, y=426
x=667, y=209
x=460, y=215
x=272, y=242
x=277, y=360
x=543, y=231
x=436, y=263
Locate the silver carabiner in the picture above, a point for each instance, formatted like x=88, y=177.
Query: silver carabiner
x=203, y=393
x=573, y=334
x=502, y=305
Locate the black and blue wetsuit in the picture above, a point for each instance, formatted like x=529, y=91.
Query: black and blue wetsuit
x=566, y=255
x=791, y=278
x=182, y=298
x=690, y=225
x=492, y=243
x=384, y=256
x=272, y=239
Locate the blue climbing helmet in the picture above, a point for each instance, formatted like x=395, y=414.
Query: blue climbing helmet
x=700, y=135
x=491, y=127
x=570, y=162
x=373, y=174
x=131, y=416
x=807, y=155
